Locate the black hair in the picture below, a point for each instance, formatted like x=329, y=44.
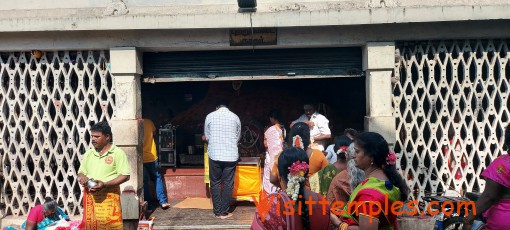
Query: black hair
x=275, y=114
x=285, y=160
x=351, y=132
x=341, y=141
x=507, y=138
x=222, y=102
x=104, y=128
x=310, y=102
x=49, y=204
x=303, y=130
x=375, y=145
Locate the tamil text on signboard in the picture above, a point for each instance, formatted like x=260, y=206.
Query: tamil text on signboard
x=253, y=37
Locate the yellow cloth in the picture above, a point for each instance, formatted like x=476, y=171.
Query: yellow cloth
x=106, y=167
x=251, y=182
x=206, y=165
x=102, y=210
x=149, y=146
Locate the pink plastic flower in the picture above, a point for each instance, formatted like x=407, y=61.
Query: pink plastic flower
x=298, y=168
x=343, y=148
x=391, y=159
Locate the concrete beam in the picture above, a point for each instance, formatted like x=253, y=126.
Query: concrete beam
x=384, y=125
x=128, y=103
x=218, y=39
x=379, y=93
x=377, y=56
x=127, y=132
x=126, y=68
x=132, y=190
x=125, y=60
x=378, y=63
x=226, y=16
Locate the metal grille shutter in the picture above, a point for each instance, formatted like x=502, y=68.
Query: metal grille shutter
x=275, y=62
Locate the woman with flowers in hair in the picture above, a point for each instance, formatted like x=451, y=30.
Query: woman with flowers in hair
x=287, y=209
x=382, y=187
x=320, y=181
x=300, y=134
x=300, y=138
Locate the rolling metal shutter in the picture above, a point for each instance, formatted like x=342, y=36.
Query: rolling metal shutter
x=252, y=64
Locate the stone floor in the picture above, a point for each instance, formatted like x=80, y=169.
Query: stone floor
x=178, y=218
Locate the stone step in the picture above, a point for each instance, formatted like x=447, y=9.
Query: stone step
x=215, y=226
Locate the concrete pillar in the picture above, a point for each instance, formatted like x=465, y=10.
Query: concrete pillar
x=127, y=127
x=378, y=64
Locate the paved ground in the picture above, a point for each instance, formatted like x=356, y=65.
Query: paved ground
x=178, y=218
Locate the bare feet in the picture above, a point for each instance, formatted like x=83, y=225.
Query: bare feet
x=225, y=216
x=165, y=206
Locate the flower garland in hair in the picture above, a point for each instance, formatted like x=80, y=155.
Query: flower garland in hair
x=391, y=159
x=342, y=149
x=296, y=175
x=297, y=141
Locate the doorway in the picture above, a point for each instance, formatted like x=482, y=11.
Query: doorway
x=186, y=104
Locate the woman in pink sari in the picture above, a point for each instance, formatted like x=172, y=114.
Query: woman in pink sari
x=273, y=141
x=494, y=202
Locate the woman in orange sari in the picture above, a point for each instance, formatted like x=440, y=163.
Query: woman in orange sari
x=300, y=133
x=300, y=136
x=287, y=209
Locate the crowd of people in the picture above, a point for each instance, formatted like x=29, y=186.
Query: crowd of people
x=363, y=173
x=302, y=180
x=356, y=169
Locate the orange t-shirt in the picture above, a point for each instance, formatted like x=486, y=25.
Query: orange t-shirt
x=149, y=145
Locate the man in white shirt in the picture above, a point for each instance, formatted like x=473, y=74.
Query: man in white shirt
x=319, y=125
x=222, y=130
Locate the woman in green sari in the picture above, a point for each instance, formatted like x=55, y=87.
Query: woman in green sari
x=376, y=194
x=320, y=181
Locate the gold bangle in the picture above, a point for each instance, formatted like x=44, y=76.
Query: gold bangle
x=343, y=226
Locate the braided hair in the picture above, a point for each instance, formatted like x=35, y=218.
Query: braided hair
x=376, y=146
x=287, y=157
x=303, y=130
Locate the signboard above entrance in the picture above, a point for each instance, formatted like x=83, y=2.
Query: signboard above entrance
x=253, y=37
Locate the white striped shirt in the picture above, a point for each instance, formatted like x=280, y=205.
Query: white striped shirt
x=222, y=130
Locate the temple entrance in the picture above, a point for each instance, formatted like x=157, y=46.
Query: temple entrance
x=186, y=104
x=180, y=88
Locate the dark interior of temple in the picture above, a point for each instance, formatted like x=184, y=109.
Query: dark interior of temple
x=186, y=104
